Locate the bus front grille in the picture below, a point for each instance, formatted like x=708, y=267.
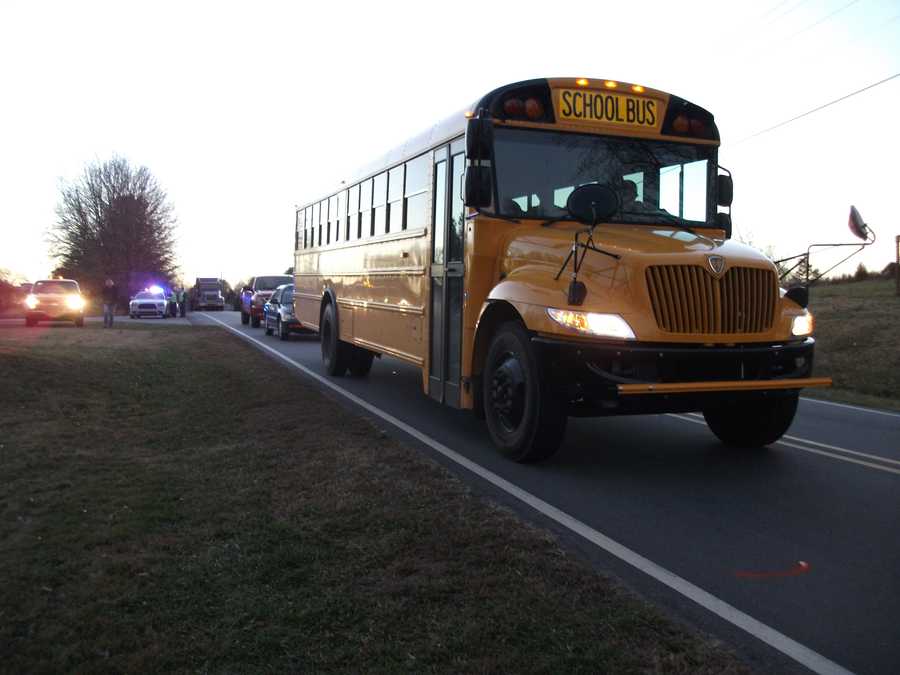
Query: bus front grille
x=688, y=299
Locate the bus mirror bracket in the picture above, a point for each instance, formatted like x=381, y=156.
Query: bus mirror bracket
x=857, y=226
x=588, y=204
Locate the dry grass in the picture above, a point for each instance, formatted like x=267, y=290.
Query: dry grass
x=172, y=500
x=858, y=342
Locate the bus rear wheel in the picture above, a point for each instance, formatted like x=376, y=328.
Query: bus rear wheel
x=526, y=422
x=752, y=424
x=335, y=353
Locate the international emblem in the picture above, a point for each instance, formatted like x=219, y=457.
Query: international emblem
x=716, y=264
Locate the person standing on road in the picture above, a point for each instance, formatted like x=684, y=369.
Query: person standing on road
x=182, y=302
x=109, y=303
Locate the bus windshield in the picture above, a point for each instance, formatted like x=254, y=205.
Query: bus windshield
x=657, y=181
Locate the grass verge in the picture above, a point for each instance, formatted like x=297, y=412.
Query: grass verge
x=858, y=342
x=173, y=500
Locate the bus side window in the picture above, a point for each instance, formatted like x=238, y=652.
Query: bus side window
x=440, y=204
x=395, y=199
x=365, y=209
x=353, y=213
x=416, y=193
x=298, y=228
x=321, y=215
x=379, y=203
x=333, y=215
x=457, y=210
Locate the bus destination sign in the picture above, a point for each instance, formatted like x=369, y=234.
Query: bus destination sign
x=606, y=107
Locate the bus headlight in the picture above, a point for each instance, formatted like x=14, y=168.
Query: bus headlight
x=31, y=301
x=603, y=325
x=803, y=325
x=75, y=302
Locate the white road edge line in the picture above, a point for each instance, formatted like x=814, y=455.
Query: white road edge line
x=791, y=648
x=836, y=448
x=812, y=450
x=851, y=407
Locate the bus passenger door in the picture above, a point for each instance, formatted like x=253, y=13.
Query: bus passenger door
x=447, y=276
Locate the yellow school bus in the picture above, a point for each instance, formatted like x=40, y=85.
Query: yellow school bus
x=560, y=248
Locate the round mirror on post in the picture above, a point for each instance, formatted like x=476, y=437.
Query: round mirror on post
x=857, y=225
x=592, y=203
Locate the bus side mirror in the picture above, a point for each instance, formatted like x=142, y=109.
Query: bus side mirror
x=857, y=225
x=479, y=187
x=724, y=189
x=479, y=138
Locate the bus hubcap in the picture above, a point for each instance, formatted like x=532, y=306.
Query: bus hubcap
x=508, y=392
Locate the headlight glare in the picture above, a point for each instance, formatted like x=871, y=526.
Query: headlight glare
x=603, y=325
x=31, y=301
x=803, y=325
x=74, y=302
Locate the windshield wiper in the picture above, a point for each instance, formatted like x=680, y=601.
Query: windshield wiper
x=498, y=216
x=665, y=217
x=553, y=221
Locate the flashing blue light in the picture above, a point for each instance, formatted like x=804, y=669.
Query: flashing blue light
x=155, y=289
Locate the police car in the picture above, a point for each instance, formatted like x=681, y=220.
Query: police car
x=148, y=303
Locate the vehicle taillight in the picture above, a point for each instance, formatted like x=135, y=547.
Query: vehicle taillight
x=687, y=119
x=534, y=110
x=514, y=107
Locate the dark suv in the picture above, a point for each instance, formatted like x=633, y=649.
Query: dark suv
x=255, y=294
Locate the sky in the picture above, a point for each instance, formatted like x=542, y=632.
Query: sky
x=244, y=110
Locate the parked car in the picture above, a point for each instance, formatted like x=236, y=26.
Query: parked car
x=55, y=300
x=148, y=303
x=278, y=313
x=255, y=295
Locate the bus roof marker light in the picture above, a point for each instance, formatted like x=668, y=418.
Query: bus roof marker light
x=582, y=82
x=468, y=114
x=610, y=84
x=638, y=89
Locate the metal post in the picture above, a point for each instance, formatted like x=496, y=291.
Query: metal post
x=897, y=263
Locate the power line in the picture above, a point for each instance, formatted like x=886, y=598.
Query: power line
x=823, y=19
x=821, y=107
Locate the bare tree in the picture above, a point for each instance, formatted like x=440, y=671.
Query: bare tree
x=115, y=221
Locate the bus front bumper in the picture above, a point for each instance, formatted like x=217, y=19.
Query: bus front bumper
x=623, y=378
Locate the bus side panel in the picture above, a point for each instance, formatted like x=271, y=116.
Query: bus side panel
x=381, y=305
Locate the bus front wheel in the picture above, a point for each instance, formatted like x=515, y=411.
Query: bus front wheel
x=335, y=353
x=526, y=422
x=753, y=424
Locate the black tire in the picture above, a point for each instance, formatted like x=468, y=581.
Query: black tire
x=525, y=419
x=752, y=424
x=283, y=334
x=335, y=353
x=360, y=362
x=79, y=322
x=254, y=321
x=245, y=318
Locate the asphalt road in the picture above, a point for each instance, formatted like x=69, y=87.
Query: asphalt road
x=804, y=537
